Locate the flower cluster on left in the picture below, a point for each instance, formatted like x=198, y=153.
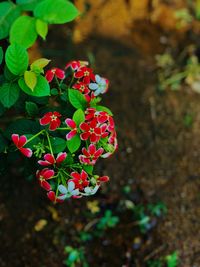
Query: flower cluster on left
x=69, y=133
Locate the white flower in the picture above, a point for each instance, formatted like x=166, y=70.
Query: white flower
x=88, y=191
x=68, y=191
x=100, y=87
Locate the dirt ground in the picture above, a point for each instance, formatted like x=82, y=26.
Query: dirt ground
x=158, y=156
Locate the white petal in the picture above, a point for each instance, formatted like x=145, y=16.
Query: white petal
x=75, y=192
x=62, y=189
x=93, y=86
x=87, y=190
x=71, y=186
x=98, y=78
x=62, y=197
x=97, y=92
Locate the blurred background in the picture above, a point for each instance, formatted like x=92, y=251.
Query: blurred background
x=149, y=213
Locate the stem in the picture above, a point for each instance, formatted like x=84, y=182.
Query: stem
x=33, y=137
x=63, y=129
x=71, y=80
x=59, y=90
x=49, y=142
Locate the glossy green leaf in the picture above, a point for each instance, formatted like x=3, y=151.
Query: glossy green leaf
x=102, y=108
x=77, y=99
x=9, y=94
x=41, y=28
x=30, y=79
x=23, y=31
x=74, y=144
x=58, y=144
x=3, y=143
x=32, y=109
x=16, y=59
x=28, y=5
x=56, y=12
x=79, y=117
x=8, y=14
x=41, y=89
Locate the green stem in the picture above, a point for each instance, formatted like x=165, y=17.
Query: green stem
x=59, y=90
x=63, y=129
x=71, y=81
x=33, y=137
x=49, y=142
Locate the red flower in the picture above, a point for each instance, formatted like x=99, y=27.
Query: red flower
x=91, y=130
x=20, y=142
x=86, y=74
x=43, y=176
x=60, y=74
x=50, y=160
x=52, y=196
x=51, y=118
x=103, y=179
x=91, y=155
x=75, y=64
x=80, y=180
x=71, y=123
x=81, y=87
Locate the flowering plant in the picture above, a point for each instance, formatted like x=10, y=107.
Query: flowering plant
x=58, y=121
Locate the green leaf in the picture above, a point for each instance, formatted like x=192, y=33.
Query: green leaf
x=74, y=144
x=102, y=108
x=77, y=99
x=22, y=126
x=2, y=109
x=58, y=144
x=8, y=75
x=16, y=59
x=41, y=89
x=30, y=79
x=38, y=65
x=79, y=117
x=42, y=28
x=88, y=168
x=1, y=55
x=172, y=260
x=23, y=31
x=8, y=14
x=32, y=109
x=9, y=94
x=28, y=5
x=56, y=12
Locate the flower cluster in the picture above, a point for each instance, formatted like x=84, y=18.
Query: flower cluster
x=73, y=134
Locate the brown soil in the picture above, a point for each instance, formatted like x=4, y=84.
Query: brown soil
x=157, y=156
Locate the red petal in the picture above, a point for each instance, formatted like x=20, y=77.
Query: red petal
x=54, y=125
x=93, y=138
x=45, y=120
x=85, y=136
x=98, y=152
x=85, y=152
x=51, y=195
x=79, y=74
x=26, y=152
x=92, y=149
x=75, y=175
x=48, y=174
x=22, y=141
x=44, y=163
x=84, y=127
x=70, y=123
x=60, y=73
x=45, y=185
x=61, y=157
x=50, y=158
x=49, y=76
x=71, y=134
x=84, y=175
x=15, y=139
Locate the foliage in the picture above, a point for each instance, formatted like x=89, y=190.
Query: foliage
x=61, y=125
x=170, y=260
